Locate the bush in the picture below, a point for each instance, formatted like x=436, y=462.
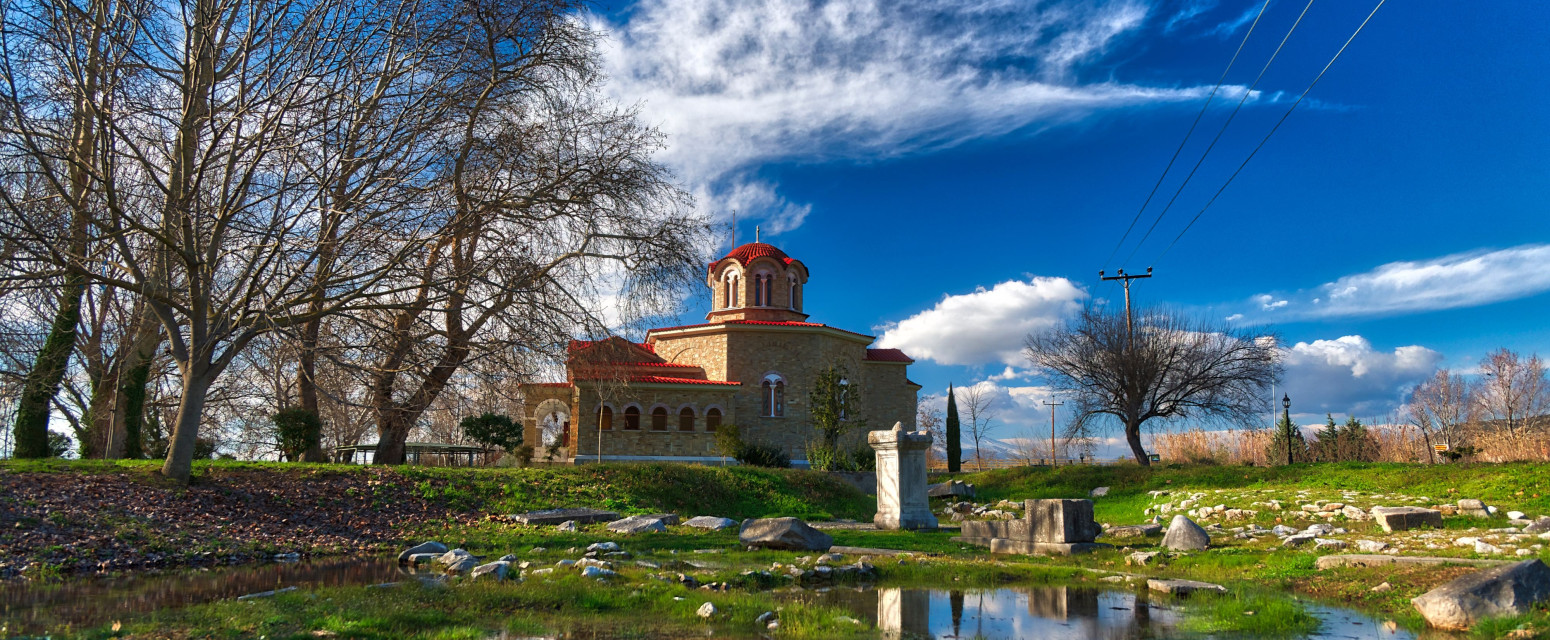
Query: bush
x=296, y=431
x=494, y=430
x=864, y=459
x=759, y=455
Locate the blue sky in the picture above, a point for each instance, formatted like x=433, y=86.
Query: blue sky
x=955, y=174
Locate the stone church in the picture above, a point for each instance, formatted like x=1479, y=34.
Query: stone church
x=752, y=363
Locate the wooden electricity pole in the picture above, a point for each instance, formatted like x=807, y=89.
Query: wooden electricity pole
x=1052, y=405
x=1125, y=279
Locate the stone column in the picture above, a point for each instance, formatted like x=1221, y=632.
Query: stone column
x=901, y=479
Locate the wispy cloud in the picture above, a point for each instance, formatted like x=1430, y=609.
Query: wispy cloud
x=1187, y=14
x=1459, y=280
x=986, y=326
x=739, y=83
x=1229, y=27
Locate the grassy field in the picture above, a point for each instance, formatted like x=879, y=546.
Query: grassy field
x=455, y=506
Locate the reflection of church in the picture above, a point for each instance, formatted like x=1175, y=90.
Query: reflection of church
x=752, y=363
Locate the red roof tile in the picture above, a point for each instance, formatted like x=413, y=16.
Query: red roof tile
x=752, y=322
x=887, y=355
x=753, y=251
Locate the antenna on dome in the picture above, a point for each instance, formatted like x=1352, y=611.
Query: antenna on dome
x=756, y=233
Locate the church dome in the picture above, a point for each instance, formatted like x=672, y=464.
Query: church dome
x=753, y=251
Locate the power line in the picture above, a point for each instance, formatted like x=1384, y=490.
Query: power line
x=1248, y=92
x=1187, y=134
x=1272, y=129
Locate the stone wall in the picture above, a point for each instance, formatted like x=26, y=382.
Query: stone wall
x=646, y=441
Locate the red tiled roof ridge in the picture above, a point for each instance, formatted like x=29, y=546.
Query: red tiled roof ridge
x=887, y=355
x=752, y=251
x=670, y=380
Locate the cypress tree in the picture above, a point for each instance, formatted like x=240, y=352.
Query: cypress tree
x=954, y=446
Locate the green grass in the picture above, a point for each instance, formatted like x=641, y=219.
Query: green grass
x=1255, y=613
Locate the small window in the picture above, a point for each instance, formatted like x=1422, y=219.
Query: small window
x=605, y=419
x=791, y=298
x=774, y=392
x=686, y=419
x=712, y=420
x=632, y=419
x=844, y=398
x=659, y=419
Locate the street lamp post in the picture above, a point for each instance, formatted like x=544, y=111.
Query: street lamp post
x=1286, y=418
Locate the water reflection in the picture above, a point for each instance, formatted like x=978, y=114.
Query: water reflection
x=30, y=607
x=1073, y=613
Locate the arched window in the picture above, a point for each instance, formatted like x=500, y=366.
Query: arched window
x=844, y=398
x=632, y=419
x=731, y=290
x=659, y=419
x=605, y=419
x=791, y=299
x=774, y=388
x=712, y=419
x=761, y=290
x=686, y=419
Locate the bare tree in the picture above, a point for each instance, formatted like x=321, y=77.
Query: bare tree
x=929, y=419
x=1514, y=393
x=1441, y=407
x=980, y=406
x=1167, y=367
x=555, y=207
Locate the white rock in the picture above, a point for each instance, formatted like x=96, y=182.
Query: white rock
x=1515, y=515
x=1370, y=546
x=706, y=610
x=1486, y=548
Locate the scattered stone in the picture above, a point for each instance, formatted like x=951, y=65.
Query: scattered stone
x=598, y=573
x=1133, y=531
x=790, y=534
x=1405, y=518
x=1504, y=591
x=603, y=547
x=1365, y=560
x=1353, y=512
x=1515, y=515
x=1474, y=508
x=1382, y=588
x=1540, y=525
x=1486, y=549
x=569, y=526
x=1098, y=492
x=558, y=516
x=1298, y=540
x=1327, y=543
x=706, y=610
x=1142, y=558
x=510, y=557
x=266, y=594
x=1184, y=535
x=710, y=522
x=1370, y=546
x=765, y=618
x=541, y=572
x=458, y=561
x=497, y=570
x=955, y=488
x=537, y=550
x=638, y=524
x=418, y=559
x=1183, y=587
x=830, y=558
x=423, y=547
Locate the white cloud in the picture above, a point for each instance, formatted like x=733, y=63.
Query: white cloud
x=986, y=326
x=1188, y=14
x=1459, y=280
x=1347, y=375
x=737, y=83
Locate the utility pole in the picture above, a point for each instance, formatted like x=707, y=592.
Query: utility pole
x=1052, y=406
x=1125, y=279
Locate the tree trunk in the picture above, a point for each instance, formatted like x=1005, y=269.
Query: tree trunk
x=306, y=382
x=180, y=452
x=1133, y=436
x=135, y=373
x=37, y=397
